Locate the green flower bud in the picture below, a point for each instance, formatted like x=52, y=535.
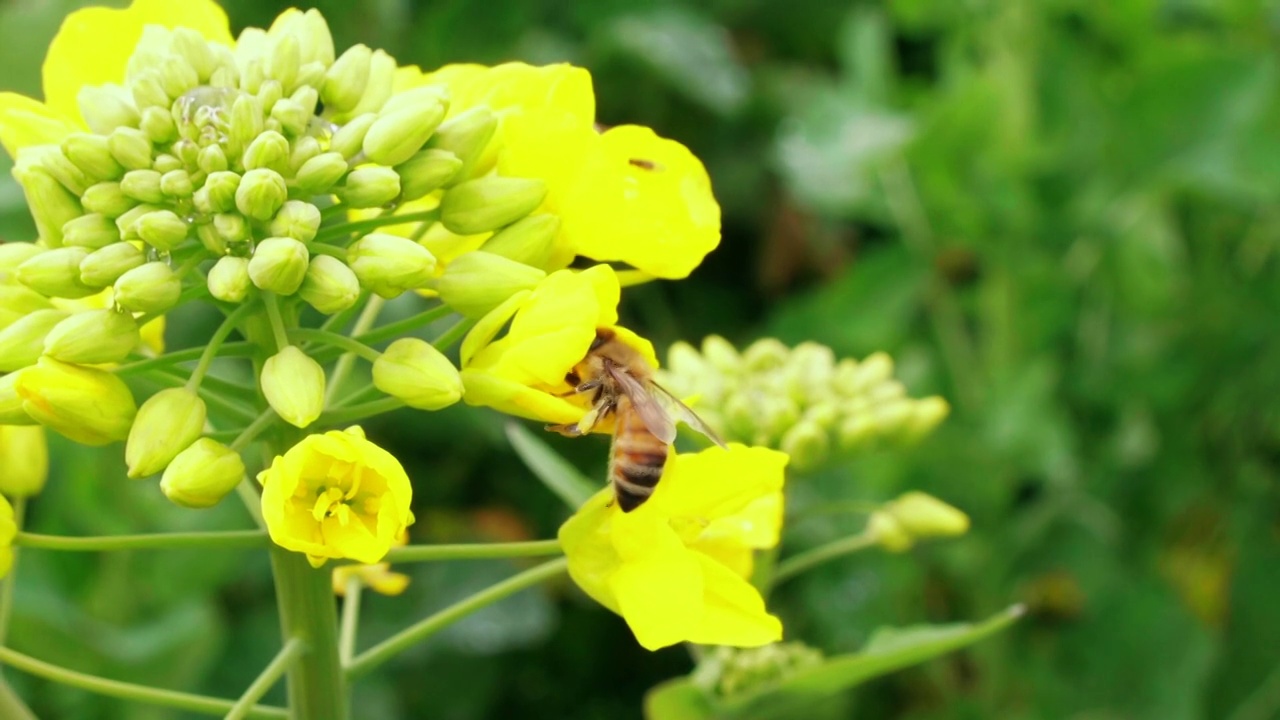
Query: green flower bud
x=396, y=136
x=269, y=94
x=253, y=74
x=349, y=139
x=106, y=107
x=380, y=85
x=292, y=116
x=51, y=204
x=202, y=474
x=478, y=282
x=130, y=147
x=721, y=355
x=417, y=373
x=466, y=135
x=212, y=159
x=13, y=254
x=304, y=148
x=261, y=193
x=148, y=92
x=285, y=59
x=219, y=192
x=106, y=198
x=489, y=203
x=330, y=286
x=92, y=337
x=143, y=186
x=89, y=406
x=17, y=301
x=177, y=77
x=926, y=414
x=807, y=444
x=186, y=151
x=857, y=431
x=158, y=125
x=26, y=454
x=127, y=223
x=298, y=220
x=765, y=355
x=90, y=231
x=176, y=184
x=527, y=241
x=370, y=187
x=915, y=516
x=246, y=123
x=56, y=273
x=294, y=386
x=167, y=423
x=149, y=288
x=208, y=236
x=389, y=264
x=192, y=48
x=268, y=150
x=22, y=343
x=231, y=227
x=425, y=172
x=11, y=412
x=104, y=266
x=319, y=174
x=62, y=169
x=229, y=279
x=314, y=37
x=344, y=83
x=162, y=229
x=91, y=154
x=279, y=264
x=852, y=379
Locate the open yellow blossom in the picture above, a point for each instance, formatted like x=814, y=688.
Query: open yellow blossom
x=336, y=495
x=675, y=568
x=552, y=327
x=8, y=531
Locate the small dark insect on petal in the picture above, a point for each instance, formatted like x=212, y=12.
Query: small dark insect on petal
x=645, y=164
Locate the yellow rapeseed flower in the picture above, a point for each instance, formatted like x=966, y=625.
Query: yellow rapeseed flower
x=8, y=531
x=552, y=327
x=675, y=568
x=336, y=495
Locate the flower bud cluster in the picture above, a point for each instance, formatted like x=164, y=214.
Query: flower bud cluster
x=800, y=400
x=727, y=672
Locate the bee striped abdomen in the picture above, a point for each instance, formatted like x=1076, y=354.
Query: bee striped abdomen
x=638, y=458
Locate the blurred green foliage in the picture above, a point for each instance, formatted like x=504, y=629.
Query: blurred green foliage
x=1060, y=215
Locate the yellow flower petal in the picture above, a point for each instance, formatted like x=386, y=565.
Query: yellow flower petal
x=660, y=597
x=734, y=612
x=25, y=122
x=719, y=482
x=94, y=44
x=489, y=390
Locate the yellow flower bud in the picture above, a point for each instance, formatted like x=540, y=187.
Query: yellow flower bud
x=104, y=266
x=51, y=204
x=279, y=265
x=344, y=83
x=807, y=444
x=13, y=254
x=330, y=286
x=398, y=134
x=56, y=273
x=417, y=373
x=22, y=342
x=8, y=531
x=926, y=414
x=17, y=301
x=246, y=122
x=231, y=227
x=24, y=460
x=167, y=423
x=303, y=149
x=293, y=114
x=261, y=193
x=149, y=288
x=269, y=94
x=106, y=107
x=294, y=386
x=11, y=412
x=143, y=186
x=298, y=220
x=161, y=229
x=380, y=86
x=285, y=60
x=269, y=150
x=191, y=47
x=130, y=147
x=92, y=155
x=212, y=159
x=925, y=516
x=348, y=141
x=229, y=279
x=52, y=161
x=478, y=282
x=91, y=231
x=177, y=77
x=108, y=199
x=92, y=337
x=89, y=406
x=320, y=173
x=466, y=135
x=489, y=203
x=176, y=184
x=527, y=241
x=370, y=187
x=202, y=474
x=389, y=264
x=426, y=171
x=889, y=532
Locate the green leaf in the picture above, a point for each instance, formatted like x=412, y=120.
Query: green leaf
x=677, y=699
x=558, y=474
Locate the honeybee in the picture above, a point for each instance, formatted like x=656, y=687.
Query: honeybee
x=623, y=386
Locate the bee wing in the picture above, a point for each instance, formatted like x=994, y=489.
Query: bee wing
x=684, y=414
x=651, y=412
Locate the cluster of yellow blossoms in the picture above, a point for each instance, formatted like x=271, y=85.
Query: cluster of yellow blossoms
x=170, y=163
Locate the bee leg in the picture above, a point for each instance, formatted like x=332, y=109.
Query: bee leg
x=585, y=387
x=570, y=430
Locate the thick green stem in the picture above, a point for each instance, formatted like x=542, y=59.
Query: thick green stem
x=308, y=611
x=129, y=691
x=797, y=564
x=230, y=539
x=473, y=551
x=266, y=680
x=367, y=661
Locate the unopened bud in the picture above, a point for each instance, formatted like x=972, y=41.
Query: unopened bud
x=92, y=154
x=489, y=203
x=279, y=264
x=177, y=76
x=104, y=266
x=389, y=264
x=286, y=58
x=229, y=279
x=176, y=184
x=319, y=174
x=143, y=186
x=148, y=92
x=398, y=134
x=11, y=412
x=194, y=50
x=329, y=286
x=24, y=460
x=807, y=444
x=296, y=219
x=926, y=414
x=344, y=83
x=130, y=147
x=303, y=149
x=269, y=94
x=56, y=273
x=212, y=159
x=246, y=121
x=292, y=116
x=721, y=354
x=93, y=337
x=90, y=231
x=765, y=355
x=107, y=199
x=370, y=187
x=22, y=342
x=161, y=229
x=218, y=194
x=261, y=193
x=16, y=301
x=167, y=423
x=231, y=227
x=127, y=223
x=149, y=288
x=466, y=135
x=857, y=431
x=203, y=474
x=51, y=204
x=268, y=150
x=478, y=282
x=852, y=378
x=13, y=254
x=106, y=107
x=426, y=171
x=158, y=125
x=527, y=241
x=416, y=372
x=89, y=406
x=294, y=386
x=380, y=85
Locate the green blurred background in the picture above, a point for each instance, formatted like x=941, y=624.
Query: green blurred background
x=1060, y=215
